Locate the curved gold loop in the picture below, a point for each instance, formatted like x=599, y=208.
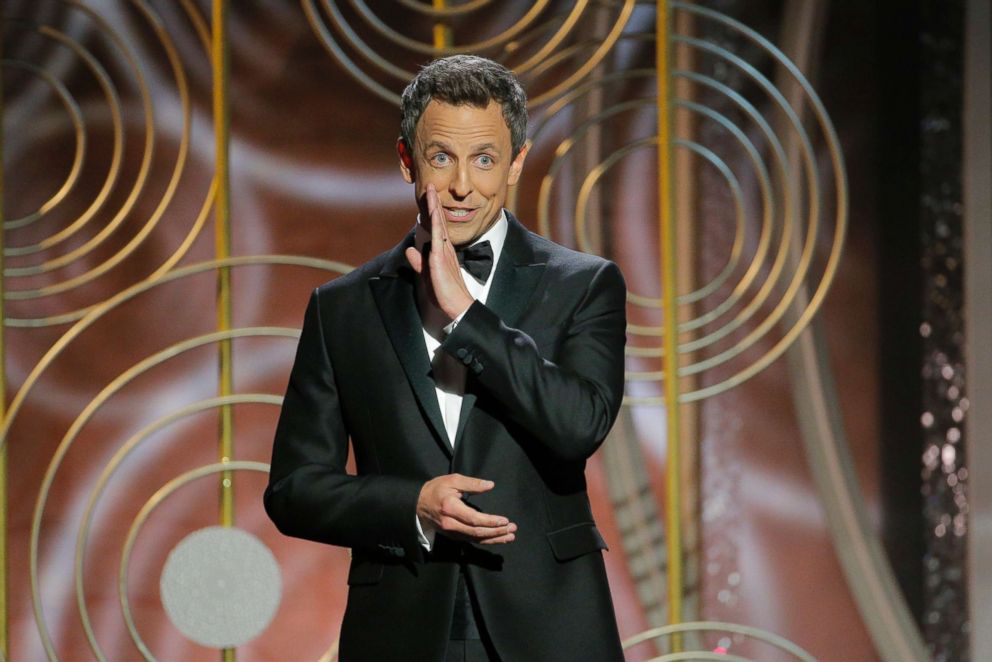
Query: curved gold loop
x=689, y=656
x=199, y=23
x=534, y=60
x=455, y=10
x=780, y=261
x=477, y=47
x=143, y=169
x=79, y=154
x=138, y=288
x=600, y=169
x=564, y=54
x=764, y=241
x=648, y=376
x=153, y=502
x=63, y=448
x=736, y=248
x=643, y=401
x=132, y=198
x=644, y=352
x=356, y=42
x=597, y=56
x=769, y=209
x=111, y=467
x=716, y=626
x=566, y=145
x=116, y=158
x=332, y=47
x=841, y=200
x=585, y=88
x=173, y=260
x=562, y=150
x=187, y=242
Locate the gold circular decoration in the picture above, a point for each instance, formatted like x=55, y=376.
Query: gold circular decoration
x=120, y=382
x=785, y=249
x=375, y=46
x=89, y=233
x=690, y=650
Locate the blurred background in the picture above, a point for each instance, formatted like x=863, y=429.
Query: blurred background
x=798, y=452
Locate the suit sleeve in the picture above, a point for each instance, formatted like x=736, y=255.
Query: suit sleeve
x=310, y=495
x=570, y=405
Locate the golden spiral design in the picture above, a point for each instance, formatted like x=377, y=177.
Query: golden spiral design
x=541, y=39
x=85, y=249
x=774, y=277
x=118, y=385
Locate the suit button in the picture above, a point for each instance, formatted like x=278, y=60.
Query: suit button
x=461, y=352
x=476, y=367
x=467, y=359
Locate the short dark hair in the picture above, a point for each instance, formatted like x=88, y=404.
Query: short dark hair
x=466, y=79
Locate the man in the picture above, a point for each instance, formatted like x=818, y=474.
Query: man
x=473, y=398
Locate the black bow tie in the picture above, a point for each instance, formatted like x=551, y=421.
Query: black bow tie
x=477, y=259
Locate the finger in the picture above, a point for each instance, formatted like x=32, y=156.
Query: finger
x=469, y=484
x=461, y=512
x=499, y=540
x=415, y=259
x=482, y=533
x=476, y=533
x=437, y=216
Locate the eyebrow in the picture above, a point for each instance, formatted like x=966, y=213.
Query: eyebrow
x=484, y=147
x=437, y=143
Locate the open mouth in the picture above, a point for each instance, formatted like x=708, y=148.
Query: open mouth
x=459, y=214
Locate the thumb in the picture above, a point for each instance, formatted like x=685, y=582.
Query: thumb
x=415, y=259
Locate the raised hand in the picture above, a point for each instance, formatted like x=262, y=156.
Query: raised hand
x=441, y=271
x=441, y=505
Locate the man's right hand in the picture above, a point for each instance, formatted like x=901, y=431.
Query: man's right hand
x=441, y=505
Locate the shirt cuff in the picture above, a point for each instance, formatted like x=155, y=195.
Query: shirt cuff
x=425, y=534
x=453, y=323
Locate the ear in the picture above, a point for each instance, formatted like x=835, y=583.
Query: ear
x=518, y=165
x=406, y=160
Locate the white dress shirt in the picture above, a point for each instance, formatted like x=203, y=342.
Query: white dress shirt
x=449, y=372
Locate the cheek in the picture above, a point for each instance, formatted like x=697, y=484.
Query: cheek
x=490, y=184
x=433, y=176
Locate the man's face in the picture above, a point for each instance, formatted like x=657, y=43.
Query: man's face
x=465, y=152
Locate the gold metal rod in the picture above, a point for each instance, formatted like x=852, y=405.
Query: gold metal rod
x=442, y=31
x=4, y=650
x=220, y=55
x=666, y=208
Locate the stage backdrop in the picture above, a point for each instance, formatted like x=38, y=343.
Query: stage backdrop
x=177, y=177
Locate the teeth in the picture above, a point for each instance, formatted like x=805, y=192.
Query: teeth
x=458, y=212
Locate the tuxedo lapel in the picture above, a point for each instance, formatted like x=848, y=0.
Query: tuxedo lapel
x=394, y=293
x=517, y=274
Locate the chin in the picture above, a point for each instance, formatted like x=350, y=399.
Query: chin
x=460, y=240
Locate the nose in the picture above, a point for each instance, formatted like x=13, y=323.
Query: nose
x=461, y=184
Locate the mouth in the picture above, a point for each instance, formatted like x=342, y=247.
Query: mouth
x=460, y=214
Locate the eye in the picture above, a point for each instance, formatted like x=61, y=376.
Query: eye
x=486, y=161
x=440, y=159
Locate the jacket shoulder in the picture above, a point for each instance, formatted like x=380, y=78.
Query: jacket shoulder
x=568, y=259
x=357, y=279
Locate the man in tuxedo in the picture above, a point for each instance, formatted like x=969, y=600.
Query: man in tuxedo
x=475, y=368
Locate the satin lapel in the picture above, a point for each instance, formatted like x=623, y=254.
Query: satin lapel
x=393, y=290
x=517, y=275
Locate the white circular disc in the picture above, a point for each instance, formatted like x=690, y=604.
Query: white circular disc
x=221, y=586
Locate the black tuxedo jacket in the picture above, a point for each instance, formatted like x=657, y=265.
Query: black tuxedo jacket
x=545, y=382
